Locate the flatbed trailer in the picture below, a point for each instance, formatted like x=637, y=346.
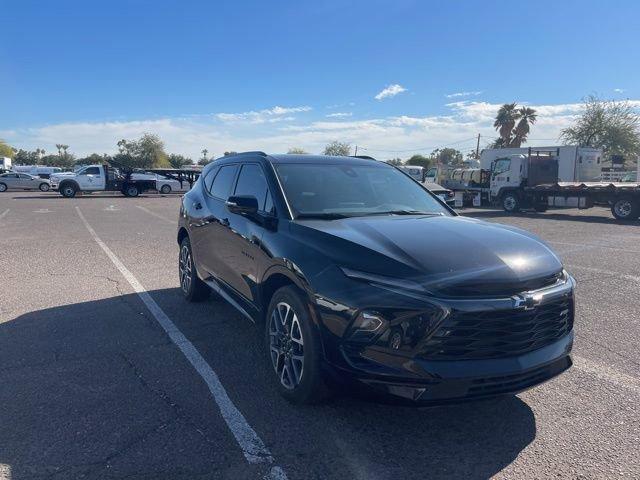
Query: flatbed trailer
x=622, y=198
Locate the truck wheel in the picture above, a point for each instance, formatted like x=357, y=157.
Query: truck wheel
x=510, y=203
x=131, y=191
x=165, y=189
x=3, y=187
x=626, y=209
x=44, y=187
x=193, y=289
x=68, y=190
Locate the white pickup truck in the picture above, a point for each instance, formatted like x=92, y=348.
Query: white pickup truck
x=93, y=178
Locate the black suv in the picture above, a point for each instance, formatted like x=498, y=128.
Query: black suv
x=361, y=276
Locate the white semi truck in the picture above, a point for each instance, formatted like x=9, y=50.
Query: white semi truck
x=5, y=164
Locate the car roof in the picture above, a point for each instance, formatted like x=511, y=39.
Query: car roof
x=317, y=159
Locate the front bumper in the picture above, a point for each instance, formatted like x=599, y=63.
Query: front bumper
x=452, y=381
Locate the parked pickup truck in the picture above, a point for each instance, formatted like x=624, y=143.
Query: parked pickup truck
x=93, y=178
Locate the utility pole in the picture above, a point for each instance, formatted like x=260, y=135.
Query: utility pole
x=356, y=154
x=478, y=148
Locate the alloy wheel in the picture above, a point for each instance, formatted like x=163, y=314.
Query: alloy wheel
x=286, y=345
x=185, y=267
x=509, y=203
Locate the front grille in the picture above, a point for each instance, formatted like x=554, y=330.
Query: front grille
x=483, y=288
x=499, y=333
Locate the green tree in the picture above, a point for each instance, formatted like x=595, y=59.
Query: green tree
x=146, y=152
x=420, y=161
x=447, y=156
x=610, y=125
x=526, y=117
x=93, y=159
x=339, y=149
x=394, y=161
x=6, y=150
x=505, y=121
x=297, y=151
x=179, y=161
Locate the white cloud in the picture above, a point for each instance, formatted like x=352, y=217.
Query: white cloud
x=463, y=94
x=390, y=91
x=188, y=135
x=618, y=90
x=339, y=115
x=271, y=115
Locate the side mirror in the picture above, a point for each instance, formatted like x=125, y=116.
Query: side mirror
x=242, y=204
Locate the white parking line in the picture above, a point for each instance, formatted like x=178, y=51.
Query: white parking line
x=2, y=215
x=633, y=278
x=250, y=443
x=609, y=374
x=157, y=215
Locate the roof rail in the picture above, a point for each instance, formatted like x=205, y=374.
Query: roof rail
x=238, y=154
x=364, y=157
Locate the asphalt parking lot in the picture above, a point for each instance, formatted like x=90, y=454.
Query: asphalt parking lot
x=92, y=386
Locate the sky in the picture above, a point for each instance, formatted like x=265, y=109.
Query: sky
x=393, y=77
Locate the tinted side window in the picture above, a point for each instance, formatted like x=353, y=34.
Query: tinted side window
x=252, y=181
x=208, y=180
x=221, y=185
x=92, y=171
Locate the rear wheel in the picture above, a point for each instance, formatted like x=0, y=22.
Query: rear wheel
x=131, y=191
x=44, y=187
x=68, y=190
x=626, y=209
x=193, y=289
x=510, y=203
x=294, y=349
x=3, y=187
x=165, y=189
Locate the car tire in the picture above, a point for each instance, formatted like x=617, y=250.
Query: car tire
x=294, y=349
x=193, y=289
x=131, y=191
x=3, y=187
x=165, y=189
x=44, y=187
x=626, y=209
x=68, y=190
x=510, y=202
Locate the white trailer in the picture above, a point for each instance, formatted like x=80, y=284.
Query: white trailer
x=575, y=164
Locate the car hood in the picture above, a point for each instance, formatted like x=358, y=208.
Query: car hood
x=450, y=255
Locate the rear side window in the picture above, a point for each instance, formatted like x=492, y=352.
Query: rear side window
x=208, y=179
x=252, y=181
x=221, y=185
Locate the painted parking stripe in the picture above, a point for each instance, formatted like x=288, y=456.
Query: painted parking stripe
x=250, y=443
x=157, y=215
x=3, y=214
x=609, y=374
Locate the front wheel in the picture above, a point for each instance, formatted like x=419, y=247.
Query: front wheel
x=193, y=289
x=3, y=187
x=44, y=187
x=626, y=209
x=294, y=349
x=510, y=203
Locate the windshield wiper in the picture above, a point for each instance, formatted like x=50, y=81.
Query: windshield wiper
x=321, y=216
x=407, y=212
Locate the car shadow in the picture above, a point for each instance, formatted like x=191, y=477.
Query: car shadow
x=83, y=383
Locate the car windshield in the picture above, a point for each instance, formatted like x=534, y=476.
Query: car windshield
x=341, y=190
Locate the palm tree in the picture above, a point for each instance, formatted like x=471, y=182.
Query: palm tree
x=59, y=147
x=505, y=121
x=528, y=117
x=204, y=153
